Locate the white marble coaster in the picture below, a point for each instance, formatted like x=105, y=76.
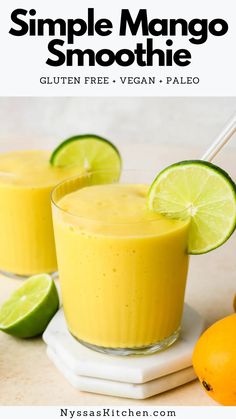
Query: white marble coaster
x=119, y=389
x=81, y=361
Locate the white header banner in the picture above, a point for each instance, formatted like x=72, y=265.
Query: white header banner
x=134, y=48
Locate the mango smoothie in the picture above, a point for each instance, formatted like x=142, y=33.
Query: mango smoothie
x=122, y=268
x=26, y=232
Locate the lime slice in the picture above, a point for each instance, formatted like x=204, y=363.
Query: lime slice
x=30, y=308
x=88, y=152
x=201, y=191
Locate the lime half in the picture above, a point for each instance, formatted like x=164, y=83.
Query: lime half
x=201, y=191
x=88, y=152
x=30, y=308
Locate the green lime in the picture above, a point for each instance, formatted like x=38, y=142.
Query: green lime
x=201, y=191
x=30, y=308
x=88, y=152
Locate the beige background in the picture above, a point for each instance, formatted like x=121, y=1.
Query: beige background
x=172, y=121
x=150, y=133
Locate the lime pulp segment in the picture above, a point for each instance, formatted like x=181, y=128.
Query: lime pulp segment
x=204, y=193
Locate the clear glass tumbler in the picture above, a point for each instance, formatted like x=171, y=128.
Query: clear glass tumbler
x=26, y=232
x=123, y=284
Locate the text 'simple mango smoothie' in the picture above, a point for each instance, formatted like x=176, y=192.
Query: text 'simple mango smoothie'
x=122, y=267
x=26, y=232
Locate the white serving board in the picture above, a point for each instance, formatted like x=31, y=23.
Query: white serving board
x=81, y=361
x=119, y=389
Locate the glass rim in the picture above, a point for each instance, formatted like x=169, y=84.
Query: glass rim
x=176, y=216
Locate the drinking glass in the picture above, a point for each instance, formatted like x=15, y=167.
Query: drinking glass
x=123, y=284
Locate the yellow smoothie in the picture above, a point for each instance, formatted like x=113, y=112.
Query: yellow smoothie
x=26, y=232
x=122, y=267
